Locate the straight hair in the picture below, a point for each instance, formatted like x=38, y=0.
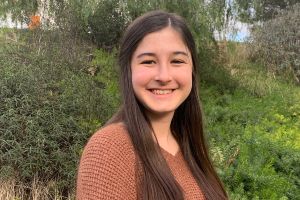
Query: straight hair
x=157, y=181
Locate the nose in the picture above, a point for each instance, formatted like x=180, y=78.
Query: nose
x=163, y=74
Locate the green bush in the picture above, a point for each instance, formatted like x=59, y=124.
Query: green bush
x=255, y=141
x=49, y=107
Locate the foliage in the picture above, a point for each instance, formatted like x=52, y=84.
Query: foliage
x=221, y=13
x=121, y=13
x=57, y=89
x=113, y=22
x=50, y=105
x=82, y=18
x=105, y=67
x=254, y=131
x=257, y=143
x=276, y=43
x=260, y=10
x=19, y=10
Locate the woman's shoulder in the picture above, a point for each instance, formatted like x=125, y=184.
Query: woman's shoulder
x=107, y=165
x=112, y=133
x=111, y=139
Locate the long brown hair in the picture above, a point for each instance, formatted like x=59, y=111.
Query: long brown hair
x=187, y=127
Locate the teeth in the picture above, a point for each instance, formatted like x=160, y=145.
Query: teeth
x=161, y=91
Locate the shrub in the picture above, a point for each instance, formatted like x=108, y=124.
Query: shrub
x=255, y=141
x=49, y=106
x=276, y=42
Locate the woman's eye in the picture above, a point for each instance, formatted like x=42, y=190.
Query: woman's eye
x=178, y=61
x=148, y=62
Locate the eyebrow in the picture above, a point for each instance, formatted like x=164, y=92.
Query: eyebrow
x=145, y=54
x=153, y=54
x=181, y=52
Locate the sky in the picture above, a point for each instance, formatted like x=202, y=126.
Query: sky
x=242, y=33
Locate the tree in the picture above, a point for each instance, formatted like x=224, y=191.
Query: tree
x=19, y=10
x=276, y=42
x=260, y=10
x=107, y=23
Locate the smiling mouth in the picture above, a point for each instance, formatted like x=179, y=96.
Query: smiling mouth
x=161, y=92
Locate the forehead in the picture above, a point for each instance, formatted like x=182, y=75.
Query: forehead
x=164, y=40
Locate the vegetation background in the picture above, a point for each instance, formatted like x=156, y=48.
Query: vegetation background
x=59, y=83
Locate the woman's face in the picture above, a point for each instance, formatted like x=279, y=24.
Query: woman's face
x=162, y=71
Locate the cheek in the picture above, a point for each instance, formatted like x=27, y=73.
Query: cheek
x=184, y=78
x=188, y=84
x=140, y=78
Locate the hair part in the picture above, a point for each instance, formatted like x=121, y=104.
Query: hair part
x=186, y=126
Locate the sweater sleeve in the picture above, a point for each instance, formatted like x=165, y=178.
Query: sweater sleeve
x=107, y=167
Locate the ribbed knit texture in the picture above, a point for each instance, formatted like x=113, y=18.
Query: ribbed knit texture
x=107, y=168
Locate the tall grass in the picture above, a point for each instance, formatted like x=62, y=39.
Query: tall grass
x=36, y=190
x=249, y=75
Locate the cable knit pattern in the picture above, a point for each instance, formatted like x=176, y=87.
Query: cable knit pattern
x=107, y=169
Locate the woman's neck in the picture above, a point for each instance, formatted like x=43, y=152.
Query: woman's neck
x=161, y=125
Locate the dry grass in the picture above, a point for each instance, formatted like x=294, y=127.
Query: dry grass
x=37, y=190
x=252, y=76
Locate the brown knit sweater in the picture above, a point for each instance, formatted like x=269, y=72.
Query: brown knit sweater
x=107, y=168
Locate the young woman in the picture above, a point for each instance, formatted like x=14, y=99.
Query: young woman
x=154, y=147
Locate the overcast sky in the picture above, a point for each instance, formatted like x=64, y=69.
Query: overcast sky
x=242, y=32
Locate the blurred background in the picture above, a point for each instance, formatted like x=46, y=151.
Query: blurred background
x=59, y=84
